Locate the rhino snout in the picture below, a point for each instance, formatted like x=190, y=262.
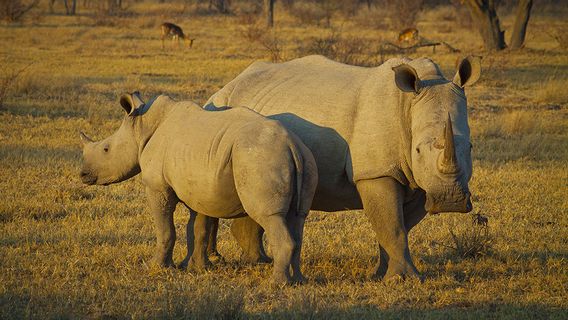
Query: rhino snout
x=87, y=177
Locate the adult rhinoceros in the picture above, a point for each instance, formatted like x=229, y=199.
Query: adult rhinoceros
x=392, y=140
x=218, y=164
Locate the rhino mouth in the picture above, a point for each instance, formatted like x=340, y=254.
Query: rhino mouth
x=460, y=203
x=87, y=178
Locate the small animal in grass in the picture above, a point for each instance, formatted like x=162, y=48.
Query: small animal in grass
x=480, y=220
x=409, y=35
x=175, y=32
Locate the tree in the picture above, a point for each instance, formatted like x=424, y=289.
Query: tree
x=221, y=5
x=485, y=17
x=520, y=26
x=70, y=10
x=269, y=12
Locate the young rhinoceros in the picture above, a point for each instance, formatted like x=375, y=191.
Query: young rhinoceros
x=218, y=163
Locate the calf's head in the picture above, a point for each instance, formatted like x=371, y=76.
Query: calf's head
x=115, y=158
x=440, y=155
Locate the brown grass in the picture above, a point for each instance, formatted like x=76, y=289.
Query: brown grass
x=71, y=251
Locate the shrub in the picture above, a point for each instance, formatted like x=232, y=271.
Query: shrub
x=8, y=80
x=351, y=50
x=472, y=241
x=15, y=10
x=404, y=12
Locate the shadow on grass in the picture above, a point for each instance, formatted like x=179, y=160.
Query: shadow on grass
x=222, y=305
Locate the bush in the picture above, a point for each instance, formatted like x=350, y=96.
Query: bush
x=404, y=12
x=353, y=51
x=8, y=80
x=15, y=10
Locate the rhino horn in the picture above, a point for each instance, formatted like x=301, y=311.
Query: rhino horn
x=448, y=162
x=84, y=138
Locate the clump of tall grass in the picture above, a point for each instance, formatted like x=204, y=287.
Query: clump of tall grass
x=552, y=91
x=471, y=240
x=349, y=50
x=8, y=80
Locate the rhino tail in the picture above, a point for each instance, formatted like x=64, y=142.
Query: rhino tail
x=299, y=166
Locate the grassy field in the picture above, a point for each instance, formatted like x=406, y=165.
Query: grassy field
x=72, y=251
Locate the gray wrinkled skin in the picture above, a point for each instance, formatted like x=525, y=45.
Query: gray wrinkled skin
x=393, y=140
x=219, y=164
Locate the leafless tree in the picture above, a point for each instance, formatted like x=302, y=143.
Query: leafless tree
x=521, y=21
x=484, y=15
x=14, y=10
x=269, y=12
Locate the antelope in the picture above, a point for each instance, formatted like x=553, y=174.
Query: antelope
x=175, y=32
x=408, y=35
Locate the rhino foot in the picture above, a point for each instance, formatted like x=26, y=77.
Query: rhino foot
x=397, y=276
x=198, y=267
x=299, y=280
x=255, y=259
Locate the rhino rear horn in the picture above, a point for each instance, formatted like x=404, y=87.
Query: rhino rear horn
x=131, y=101
x=448, y=162
x=469, y=71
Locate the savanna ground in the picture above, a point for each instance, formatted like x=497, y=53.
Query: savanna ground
x=72, y=251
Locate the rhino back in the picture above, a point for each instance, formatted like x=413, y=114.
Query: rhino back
x=191, y=151
x=334, y=106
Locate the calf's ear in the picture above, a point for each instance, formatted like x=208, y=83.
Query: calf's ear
x=406, y=78
x=469, y=71
x=130, y=102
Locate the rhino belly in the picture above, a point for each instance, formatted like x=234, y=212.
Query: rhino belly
x=215, y=197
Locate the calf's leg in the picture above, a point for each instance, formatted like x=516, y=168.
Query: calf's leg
x=162, y=205
x=281, y=243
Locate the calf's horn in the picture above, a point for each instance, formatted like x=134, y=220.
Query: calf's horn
x=448, y=162
x=85, y=138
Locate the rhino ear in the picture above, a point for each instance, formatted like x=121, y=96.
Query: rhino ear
x=406, y=78
x=469, y=71
x=130, y=102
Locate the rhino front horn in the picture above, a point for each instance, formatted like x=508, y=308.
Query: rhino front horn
x=84, y=138
x=447, y=162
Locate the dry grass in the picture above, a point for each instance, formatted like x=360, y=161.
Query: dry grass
x=70, y=251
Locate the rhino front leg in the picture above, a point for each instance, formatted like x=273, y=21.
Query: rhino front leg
x=162, y=206
x=383, y=204
x=248, y=234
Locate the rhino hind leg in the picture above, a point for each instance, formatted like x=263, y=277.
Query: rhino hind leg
x=248, y=234
x=212, y=253
x=199, y=260
x=295, y=223
x=383, y=205
x=281, y=243
x=380, y=270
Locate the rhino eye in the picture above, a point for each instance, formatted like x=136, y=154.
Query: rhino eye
x=417, y=150
x=105, y=149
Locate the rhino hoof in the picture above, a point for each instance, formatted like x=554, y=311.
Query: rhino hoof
x=262, y=259
x=198, y=267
